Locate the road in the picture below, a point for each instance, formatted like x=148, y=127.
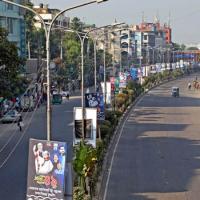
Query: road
x=157, y=156
x=14, y=145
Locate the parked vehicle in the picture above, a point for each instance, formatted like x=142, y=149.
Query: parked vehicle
x=56, y=99
x=27, y=103
x=175, y=91
x=11, y=116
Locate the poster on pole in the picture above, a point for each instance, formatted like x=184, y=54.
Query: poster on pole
x=95, y=100
x=46, y=170
x=112, y=82
x=122, y=80
x=108, y=91
x=90, y=126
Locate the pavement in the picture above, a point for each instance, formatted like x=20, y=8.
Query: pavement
x=157, y=153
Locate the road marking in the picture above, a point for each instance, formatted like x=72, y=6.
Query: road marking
x=115, y=149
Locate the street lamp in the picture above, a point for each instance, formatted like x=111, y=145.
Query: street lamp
x=47, y=34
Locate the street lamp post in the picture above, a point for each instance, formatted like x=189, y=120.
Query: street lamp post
x=47, y=34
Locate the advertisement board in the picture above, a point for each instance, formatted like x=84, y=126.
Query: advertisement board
x=95, y=100
x=134, y=73
x=46, y=170
x=90, y=126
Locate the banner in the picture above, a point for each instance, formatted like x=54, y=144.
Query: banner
x=112, y=82
x=46, y=170
x=108, y=91
x=134, y=73
x=122, y=80
x=90, y=126
x=95, y=100
x=116, y=85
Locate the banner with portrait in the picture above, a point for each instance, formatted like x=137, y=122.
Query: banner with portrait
x=46, y=170
x=95, y=100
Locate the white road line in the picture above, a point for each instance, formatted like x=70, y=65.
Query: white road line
x=113, y=156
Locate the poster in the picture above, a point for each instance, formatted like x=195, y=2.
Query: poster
x=122, y=80
x=46, y=170
x=116, y=85
x=134, y=73
x=96, y=100
x=90, y=126
x=112, y=82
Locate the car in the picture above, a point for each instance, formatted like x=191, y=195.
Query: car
x=175, y=92
x=11, y=116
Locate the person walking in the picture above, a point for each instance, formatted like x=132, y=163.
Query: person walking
x=20, y=123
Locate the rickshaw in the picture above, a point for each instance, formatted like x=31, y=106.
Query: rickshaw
x=175, y=91
x=57, y=99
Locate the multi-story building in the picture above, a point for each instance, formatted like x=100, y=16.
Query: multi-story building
x=48, y=14
x=12, y=19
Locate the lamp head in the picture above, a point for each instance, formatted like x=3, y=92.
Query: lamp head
x=101, y=1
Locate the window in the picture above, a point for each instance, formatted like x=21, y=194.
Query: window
x=10, y=6
x=10, y=25
x=145, y=37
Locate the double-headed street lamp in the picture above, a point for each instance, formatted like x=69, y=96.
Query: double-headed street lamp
x=47, y=35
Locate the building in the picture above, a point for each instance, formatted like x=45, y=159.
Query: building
x=48, y=14
x=12, y=19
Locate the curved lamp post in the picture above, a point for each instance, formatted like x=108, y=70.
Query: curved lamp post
x=47, y=35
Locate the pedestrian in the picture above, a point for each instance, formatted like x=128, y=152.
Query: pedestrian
x=20, y=123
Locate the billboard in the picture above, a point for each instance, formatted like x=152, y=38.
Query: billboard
x=90, y=126
x=96, y=100
x=46, y=170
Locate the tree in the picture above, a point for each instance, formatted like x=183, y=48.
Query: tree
x=76, y=24
x=10, y=82
x=192, y=48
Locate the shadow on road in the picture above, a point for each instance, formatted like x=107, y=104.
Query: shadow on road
x=168, y=101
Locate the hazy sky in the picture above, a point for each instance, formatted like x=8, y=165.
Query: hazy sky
x=185, y=14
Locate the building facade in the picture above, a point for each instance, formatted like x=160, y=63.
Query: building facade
x=48, y=14
x=12, y=19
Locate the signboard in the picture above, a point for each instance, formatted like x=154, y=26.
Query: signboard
x=122, y=80
x=90, y=126
x=95, y=100
x=46, y=170
x=108, y=91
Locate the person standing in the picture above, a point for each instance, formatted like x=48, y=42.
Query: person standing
x=19, y=123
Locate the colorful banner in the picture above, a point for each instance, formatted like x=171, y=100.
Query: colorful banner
x=95, y=100
x=116, y=85
x=122, y=80
x=134, y=73
x=112, y=82
x=46, y=170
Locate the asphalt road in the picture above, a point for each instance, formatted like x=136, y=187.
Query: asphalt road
x=158, y=154
x=14, y=145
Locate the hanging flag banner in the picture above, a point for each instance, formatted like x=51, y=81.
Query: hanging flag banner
x=134, y=73
x=95, y=100
x=46, y=170
x=108, y=91
x=122, y=80
x=116, y=85
x=112, y=82
x=90, y=126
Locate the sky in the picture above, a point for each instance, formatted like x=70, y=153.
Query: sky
x=185, y=14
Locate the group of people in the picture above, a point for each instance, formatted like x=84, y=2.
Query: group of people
x=44, y=163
